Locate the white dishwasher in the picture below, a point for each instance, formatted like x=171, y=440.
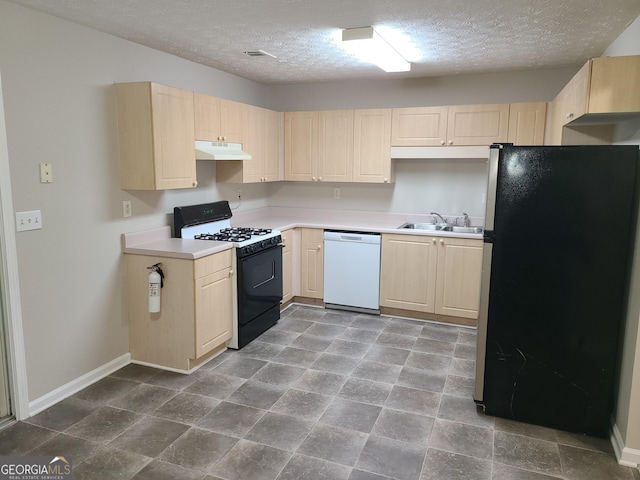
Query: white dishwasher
x=352, y=271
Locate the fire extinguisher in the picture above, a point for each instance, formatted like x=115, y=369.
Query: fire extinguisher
x=156, y=282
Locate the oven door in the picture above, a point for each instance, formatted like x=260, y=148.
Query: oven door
x=259, y=283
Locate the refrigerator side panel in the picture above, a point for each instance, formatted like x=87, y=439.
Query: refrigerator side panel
x=494, y=155
x=562, y=233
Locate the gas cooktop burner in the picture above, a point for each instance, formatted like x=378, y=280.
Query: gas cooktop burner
x=234, y=234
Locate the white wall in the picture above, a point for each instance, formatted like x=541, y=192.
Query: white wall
x=60, y=108
x=627, y=415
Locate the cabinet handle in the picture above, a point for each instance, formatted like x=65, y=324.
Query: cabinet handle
x=450, y=142
x=224, y=138
x=230, y=273
x=386, y=180
x=195, y=183
x=441, y=142
x=441, y=242
x=569, y=115
x=313, y=179
x=319, y=179
x=319, y=247
x=433, y=240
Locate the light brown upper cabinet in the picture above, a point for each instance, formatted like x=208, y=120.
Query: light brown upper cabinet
x=477, y=124
x=319, y=146
x=372, y=146
x=605, y=91
x=217, y=119
x=419, y=126
x=262, y=129
x=155, y=137
x=452, y=125
x=526, y=123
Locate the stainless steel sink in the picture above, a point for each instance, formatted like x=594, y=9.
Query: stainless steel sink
x=421, y=226
x=459, y=229
x=440, y=227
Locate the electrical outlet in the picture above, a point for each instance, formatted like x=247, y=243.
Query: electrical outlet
x=126, y=208
x=336, y=193
x=28, y=220
x=239, y=194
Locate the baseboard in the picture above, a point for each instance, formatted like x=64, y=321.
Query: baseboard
x=629, y=457
x=60, y=393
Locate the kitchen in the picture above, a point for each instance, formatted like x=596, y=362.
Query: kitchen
x=90, y=319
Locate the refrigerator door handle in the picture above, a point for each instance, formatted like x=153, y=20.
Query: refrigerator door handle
x=483, y=316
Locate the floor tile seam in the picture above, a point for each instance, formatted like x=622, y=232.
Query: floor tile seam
x=176, y=393
x=429, y=447
x=492, y=430
x=539, y=472
x=411, y=412
x=585, y=447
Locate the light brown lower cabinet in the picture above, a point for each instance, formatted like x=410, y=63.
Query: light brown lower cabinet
x=196, y=312
x=287, y=265
x=311, y=263
x=427, y=274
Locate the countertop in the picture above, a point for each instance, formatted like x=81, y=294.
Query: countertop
x=158, y=241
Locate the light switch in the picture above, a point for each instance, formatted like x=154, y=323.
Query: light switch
x=46, y=173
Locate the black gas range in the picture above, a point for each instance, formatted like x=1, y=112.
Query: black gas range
x=257, y=265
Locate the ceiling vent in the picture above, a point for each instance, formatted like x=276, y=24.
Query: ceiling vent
x=259, y=53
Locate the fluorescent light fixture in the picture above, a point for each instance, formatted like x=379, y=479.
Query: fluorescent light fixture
x=367, y=44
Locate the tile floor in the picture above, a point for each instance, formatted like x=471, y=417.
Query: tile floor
x=322, y=395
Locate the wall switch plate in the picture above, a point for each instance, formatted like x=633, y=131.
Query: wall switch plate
x=126, y=208
x=46, y=173
x=336, y=193
x=28, y=220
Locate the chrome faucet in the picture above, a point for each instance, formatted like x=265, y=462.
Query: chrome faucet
x=442, y=219
x=467, y=223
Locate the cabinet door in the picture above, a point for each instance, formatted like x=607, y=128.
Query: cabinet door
x=408, y=272
x=372, y=146
x=300, y=145
x=477, y=124
x=615, y=84
x=173, y=140
x=253, y=144
x=335, y=146
x=419, y=126
x=207, y=117
x=527, y=123
x=574, y=97
x=214, y=311
x=231, y=121
x=312, y=263
x=272, y=121
x=287, y=264
x=459, y=274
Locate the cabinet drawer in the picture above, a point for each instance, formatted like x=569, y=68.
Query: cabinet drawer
x=212, y=263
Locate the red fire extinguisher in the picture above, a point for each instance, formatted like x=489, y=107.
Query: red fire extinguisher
x=156, y=282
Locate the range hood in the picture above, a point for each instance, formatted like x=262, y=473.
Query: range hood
x=220, y=151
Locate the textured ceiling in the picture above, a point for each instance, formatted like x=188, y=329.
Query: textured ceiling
x=444, y=36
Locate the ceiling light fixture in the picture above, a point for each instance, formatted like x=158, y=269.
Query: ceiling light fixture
x=367, y=44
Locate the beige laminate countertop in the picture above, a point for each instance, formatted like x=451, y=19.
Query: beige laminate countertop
x=158, y=242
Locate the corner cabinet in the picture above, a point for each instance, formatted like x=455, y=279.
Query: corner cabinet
x=605, y=91
x=262, y=130
x=436, y=275
x=155, y=137
x=527, y=123
x=196, y=313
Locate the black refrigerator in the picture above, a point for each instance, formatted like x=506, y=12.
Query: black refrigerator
x=559, y=234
